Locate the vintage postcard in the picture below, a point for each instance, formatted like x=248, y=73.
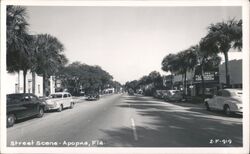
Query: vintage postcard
x=125, y=76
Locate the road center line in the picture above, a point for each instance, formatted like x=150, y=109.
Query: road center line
x=134, y=129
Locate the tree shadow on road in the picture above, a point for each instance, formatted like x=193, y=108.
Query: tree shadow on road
x=174, y=126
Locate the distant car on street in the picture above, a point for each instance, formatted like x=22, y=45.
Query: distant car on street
x=93, y=96
x=59, y=100
x=173, y=95
x=131, y=91
x=227, y=100
x=159, y=93
x=20, y=106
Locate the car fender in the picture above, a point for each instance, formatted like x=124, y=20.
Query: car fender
x=232, y=105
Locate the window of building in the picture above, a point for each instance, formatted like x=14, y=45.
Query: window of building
x=16, y=88
x=39, y=88
x=29, y=86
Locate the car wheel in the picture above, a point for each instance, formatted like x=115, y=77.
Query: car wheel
x=227, y=110
x=10, y=120
x=71, y=105
x=60, y=108
x=41, y=112
x=166, y=99
x=207, y=107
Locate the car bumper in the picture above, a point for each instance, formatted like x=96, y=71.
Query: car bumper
x=51, y=107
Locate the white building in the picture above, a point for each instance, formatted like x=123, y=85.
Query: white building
x=234, y=71
x=14, y=83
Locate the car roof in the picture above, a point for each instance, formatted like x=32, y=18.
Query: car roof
x=59, y=93
x=20, y=94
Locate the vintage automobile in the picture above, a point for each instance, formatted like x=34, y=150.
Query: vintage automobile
x=20, y=106
x=59, y=100
x=92, y=96
x=173, y=95
x=159, y=93
x=131, y=92
x=227, y=100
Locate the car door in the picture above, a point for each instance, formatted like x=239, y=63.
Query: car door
x=70, y=99
x=27, y=105
x=221, y=99
x=226, y=99
x=15, y=104
x=65, y=100
x=35, y=104
x=213, y=103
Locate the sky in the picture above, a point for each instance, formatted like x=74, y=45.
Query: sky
x=127, y=42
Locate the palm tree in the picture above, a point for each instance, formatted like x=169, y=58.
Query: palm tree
x=169, y=65
x=49, y=57
x=18, y=41
x=205, y=62
x=223, y=36
x=187, y=60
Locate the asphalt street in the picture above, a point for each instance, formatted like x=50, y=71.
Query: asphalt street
x=121, y=120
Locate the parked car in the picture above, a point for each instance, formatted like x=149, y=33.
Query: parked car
x=20, y=106
x=131, y=91
x=60, y=100
x=93, y=96
x=159, y=93
x=227, y=100
x=173, y=95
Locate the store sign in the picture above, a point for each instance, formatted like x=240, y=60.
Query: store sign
x=208, y=76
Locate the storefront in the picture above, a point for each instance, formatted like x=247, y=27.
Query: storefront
x=211, y=84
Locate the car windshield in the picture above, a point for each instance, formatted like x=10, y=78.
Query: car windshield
x=14, y=97
x=56, y=96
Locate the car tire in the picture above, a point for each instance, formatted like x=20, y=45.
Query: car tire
x=40, y=113
x=166, y=99
x=11, y=120
x=227, y=110
x=60, y=108
x=71, y=105
x=207, y=107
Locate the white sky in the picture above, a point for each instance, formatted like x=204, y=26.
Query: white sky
x=128, y=42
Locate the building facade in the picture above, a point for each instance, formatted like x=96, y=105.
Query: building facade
x=14, y=83
x=234, y=71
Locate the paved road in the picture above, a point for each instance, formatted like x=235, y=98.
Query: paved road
x=129, y=121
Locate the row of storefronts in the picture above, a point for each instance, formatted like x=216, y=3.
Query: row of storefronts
x=213, y=80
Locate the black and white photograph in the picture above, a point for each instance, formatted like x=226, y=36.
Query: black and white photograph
x=125, y=76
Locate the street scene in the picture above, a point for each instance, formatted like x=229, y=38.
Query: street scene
x=88, y=76
x=120, y=120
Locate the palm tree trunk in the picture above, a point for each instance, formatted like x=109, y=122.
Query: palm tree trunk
x=185, y=83
x=24, y=80
x=202, y=81
x=33, y=82
x=172, y=84
x=226, y=69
